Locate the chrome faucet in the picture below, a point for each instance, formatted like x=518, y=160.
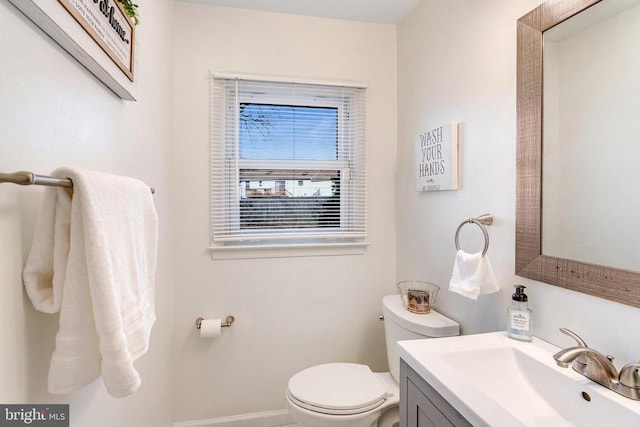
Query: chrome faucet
x=599, y=368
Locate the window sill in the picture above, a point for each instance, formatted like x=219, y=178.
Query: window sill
x=287, y=251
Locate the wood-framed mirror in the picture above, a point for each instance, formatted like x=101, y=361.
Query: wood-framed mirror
x=598, y=279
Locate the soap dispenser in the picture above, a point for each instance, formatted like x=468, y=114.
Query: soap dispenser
x=519, y=316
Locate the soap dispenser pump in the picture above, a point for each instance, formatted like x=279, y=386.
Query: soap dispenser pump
x=519, y=315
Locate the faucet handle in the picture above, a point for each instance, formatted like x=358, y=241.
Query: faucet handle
x=629, y=375
x=581, y=359
x=575, y=336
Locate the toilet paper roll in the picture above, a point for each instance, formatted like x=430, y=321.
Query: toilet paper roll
x=210, y=328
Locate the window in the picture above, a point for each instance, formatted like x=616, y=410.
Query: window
x=287, y=162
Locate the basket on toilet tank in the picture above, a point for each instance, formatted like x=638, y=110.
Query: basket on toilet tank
x=417, y=296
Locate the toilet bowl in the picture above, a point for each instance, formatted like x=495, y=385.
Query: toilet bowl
x=350, y=394
x=340, y=394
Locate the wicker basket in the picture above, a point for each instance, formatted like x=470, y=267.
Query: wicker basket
x=417, y=296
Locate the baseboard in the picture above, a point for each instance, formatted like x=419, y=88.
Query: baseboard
x=258, y=419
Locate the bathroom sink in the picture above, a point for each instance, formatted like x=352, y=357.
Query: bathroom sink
x=495, y=381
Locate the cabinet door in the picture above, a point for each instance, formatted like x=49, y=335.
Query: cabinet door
x=422, y=406
x=421, y=412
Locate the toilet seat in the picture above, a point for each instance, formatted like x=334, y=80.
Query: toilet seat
x=337, y=389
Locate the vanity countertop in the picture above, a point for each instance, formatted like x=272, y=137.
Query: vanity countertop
x=492, y=380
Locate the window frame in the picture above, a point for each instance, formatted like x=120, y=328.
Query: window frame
x=334, y=237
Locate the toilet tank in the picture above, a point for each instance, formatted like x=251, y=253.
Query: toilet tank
x=400, y=324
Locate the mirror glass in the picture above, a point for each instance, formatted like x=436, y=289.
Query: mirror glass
x=591, y=136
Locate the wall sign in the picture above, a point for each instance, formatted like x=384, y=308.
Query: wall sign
x=436, y=159
x=107, y=24
x=96, y=33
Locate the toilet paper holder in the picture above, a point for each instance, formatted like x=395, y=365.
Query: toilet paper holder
x=227, y=322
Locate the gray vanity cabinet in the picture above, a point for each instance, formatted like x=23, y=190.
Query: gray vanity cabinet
x=422, y=406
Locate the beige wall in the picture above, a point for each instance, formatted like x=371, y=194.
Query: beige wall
x=291, y=313
x=53, y=113
x=456, y=62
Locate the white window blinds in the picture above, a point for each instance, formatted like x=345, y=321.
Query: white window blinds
x=287, y=161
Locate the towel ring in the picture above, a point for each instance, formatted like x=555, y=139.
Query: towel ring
x=479, y=221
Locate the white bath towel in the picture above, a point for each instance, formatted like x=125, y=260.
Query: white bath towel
x=93, y=260
x=472, y=275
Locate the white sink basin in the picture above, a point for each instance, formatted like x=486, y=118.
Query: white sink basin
x=495, y=381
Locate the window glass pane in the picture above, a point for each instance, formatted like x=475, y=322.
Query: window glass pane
x=276, y=199
x=285, y=132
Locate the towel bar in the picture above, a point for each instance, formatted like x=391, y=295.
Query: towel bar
x=481, y=221
x=30, y=178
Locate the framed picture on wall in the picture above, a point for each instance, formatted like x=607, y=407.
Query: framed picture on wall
x=107, y=24
x=436, y=158
x=98, y=34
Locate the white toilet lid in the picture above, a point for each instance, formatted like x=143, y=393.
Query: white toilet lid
x=337, y=388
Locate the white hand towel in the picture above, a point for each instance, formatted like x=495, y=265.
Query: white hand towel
x=472, y=275
x=93, y=260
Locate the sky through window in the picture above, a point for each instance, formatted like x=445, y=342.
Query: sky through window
x=285, y=132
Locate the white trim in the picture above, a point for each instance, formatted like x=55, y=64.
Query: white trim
x=258, y=419
x=287, y=79
x=286, y=251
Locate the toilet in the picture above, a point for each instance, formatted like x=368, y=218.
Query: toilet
x=350, y=394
